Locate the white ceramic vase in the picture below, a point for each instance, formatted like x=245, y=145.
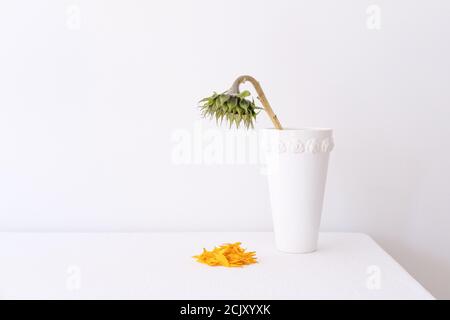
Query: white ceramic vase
x=297, y=163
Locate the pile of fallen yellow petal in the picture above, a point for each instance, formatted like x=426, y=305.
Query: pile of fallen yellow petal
x=227, y=255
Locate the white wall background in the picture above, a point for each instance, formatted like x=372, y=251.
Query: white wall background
x=92, y=91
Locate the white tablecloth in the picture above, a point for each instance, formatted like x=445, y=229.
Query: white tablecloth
x=160, y=266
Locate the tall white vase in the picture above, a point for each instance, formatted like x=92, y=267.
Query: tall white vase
x=297, y=163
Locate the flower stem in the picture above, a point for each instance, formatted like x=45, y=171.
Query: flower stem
x=261, y=97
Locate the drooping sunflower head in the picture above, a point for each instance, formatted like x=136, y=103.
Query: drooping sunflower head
x=234, y=108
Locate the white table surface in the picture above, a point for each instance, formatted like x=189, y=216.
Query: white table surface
x=160, y=266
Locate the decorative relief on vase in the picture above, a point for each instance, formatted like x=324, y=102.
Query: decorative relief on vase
x=281, y=147
x=312, y=146
x=327, y=144
x=298, y=146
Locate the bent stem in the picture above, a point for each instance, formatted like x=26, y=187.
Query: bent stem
x=261, y=97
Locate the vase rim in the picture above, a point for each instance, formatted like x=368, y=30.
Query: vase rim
x=322, y=129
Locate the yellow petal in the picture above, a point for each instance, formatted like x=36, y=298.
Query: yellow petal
x=227, y=255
